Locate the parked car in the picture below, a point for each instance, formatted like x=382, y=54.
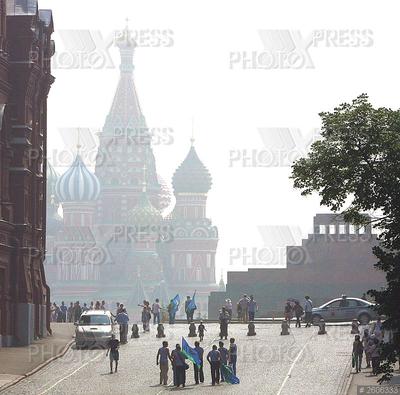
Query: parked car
x=338, y=311
x=94, y=327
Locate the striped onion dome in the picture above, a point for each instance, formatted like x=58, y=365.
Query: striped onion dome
x=77, y=184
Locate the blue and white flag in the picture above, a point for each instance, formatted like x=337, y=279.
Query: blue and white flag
x=192, y=304
x=190, y=352
x=176, y=302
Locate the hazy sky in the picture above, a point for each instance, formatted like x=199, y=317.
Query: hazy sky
x=325, y=53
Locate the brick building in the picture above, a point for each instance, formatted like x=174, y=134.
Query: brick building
x=336, y=259
x=25, y=78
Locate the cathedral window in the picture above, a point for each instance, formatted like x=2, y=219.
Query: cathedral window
x=198, y=274
x=189, y=261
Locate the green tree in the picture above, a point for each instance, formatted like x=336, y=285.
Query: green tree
x=355, y=168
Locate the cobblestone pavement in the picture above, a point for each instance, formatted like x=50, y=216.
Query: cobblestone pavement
x=301, y=363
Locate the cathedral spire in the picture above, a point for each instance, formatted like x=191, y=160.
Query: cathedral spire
x=126, y=44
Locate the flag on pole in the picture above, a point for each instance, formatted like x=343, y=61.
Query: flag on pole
x=192, y=304
x=190, y=353
x=176, y=301
x=228, y=374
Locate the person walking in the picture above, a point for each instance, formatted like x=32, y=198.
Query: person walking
x=123, y=321
x=201, y=328
x=77, y=311
x=232, y=357
x=358, y=351
x=377, y=329
x=288, y=312
x=63, y=312
x=91, y=307
x=113, y=350
x=156, y=310
x=223, y=352
x=171, y=312
x=308, y=306
x=223, y=323
x=214, y=359
x=298, y=312
x=146, y=316
x=57, y=313
x=374, y=351
x=188, y=310
x=244, y=305
x=163, y=356
x=366, y=339
x=229, y=307
x=85, y=308
x=70, y=312
x=198, y=370
x=179, y=366
x=53, y=307
x=252, y=308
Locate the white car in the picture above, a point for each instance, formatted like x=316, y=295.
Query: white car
x=94, y=327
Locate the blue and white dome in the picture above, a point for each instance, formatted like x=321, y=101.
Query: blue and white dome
x=77, y=184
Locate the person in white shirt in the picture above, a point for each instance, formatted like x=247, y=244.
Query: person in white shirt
x=156, y=310
x=308, y=306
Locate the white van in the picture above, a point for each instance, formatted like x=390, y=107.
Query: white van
x=94, y=327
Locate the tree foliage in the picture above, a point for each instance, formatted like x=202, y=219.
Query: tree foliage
x=355, y=168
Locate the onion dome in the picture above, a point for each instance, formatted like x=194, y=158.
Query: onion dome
x=77, y=183
x=192, y=176
x=144, y=214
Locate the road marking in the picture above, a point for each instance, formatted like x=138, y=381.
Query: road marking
x=205, y=348
x=292, y=366
x=71, y=374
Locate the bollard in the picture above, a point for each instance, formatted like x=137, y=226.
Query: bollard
x=322, y=330
x=192, y=330
x=252, y=329
x=135, y=331
x=160, y=330
x=285, y=328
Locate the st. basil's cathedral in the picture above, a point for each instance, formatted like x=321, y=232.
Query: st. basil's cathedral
x=112, y=242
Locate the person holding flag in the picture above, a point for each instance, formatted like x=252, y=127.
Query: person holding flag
x=198, y=370
x=173, y=308
x=190, y=307
x=194, y=355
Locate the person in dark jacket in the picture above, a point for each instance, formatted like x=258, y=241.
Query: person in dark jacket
x=179, y=366
x=358, y=351
x=298, y=312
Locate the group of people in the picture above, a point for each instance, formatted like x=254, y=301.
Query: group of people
x=72, y=313
x=293, y=308
x=246, y=308
x=217, y=357
x=370, y=344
